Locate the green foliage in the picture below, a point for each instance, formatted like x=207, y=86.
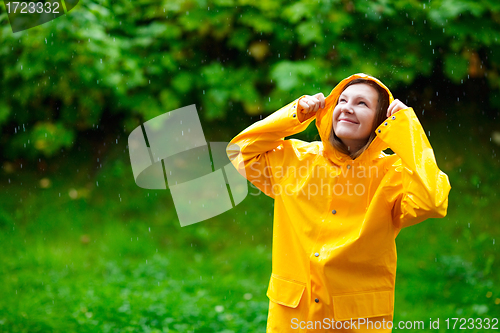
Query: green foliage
x=136, y=60
x=78, y=257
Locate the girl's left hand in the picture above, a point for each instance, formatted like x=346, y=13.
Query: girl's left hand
x=395, y=107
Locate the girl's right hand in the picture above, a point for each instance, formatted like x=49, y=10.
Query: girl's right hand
x=311, y=104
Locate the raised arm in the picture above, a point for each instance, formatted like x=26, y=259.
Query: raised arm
x=415, y=187
x=260, y=151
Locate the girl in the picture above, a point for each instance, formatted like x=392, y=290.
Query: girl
x=340, y=203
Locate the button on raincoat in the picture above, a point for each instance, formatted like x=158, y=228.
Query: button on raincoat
x=335, y=218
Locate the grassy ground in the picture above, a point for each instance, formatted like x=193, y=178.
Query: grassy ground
x=114, y=258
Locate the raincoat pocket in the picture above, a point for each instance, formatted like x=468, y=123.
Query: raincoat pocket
x=367, y=305
x=285, y=292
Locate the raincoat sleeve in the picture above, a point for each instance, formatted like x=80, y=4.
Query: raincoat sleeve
x=415, y=187
x=260, y=152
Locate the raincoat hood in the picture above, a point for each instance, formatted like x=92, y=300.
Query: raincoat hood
x=324, y=123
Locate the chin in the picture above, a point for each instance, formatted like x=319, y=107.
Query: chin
x=345, y=135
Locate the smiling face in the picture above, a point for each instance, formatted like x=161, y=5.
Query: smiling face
x=354, y=115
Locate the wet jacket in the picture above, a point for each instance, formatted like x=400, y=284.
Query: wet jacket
x=335, y=218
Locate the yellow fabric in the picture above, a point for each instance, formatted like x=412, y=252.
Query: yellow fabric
x=338, y=246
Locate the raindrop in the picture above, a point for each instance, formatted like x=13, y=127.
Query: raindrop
x=101, y=61
x=97, y=183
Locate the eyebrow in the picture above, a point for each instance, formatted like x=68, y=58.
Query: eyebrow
x=356, y=96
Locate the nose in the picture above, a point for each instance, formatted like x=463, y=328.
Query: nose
x=346, y=108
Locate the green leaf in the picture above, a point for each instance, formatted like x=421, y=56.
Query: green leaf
x=455, y=67
x=309, y=32
x=182, y=82
x=4, y=112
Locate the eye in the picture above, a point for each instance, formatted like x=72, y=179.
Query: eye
x=342, y=100
x=363, y=103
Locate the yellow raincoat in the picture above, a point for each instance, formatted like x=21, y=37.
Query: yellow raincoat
x=335, y=218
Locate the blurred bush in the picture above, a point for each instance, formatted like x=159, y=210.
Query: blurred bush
x=129, y=61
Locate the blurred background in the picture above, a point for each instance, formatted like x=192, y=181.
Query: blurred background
x=86, y=250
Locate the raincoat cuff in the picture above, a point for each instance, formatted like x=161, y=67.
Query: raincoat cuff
x=394, y=128
x=403, y=133
x=299, y=121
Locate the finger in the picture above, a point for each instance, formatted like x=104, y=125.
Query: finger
x=316, y=107
x=389, y=109
x=321, y=99
x=403, y=106
x=395, y=107
x=310, y=105
x=315, y=104
x=305, y=106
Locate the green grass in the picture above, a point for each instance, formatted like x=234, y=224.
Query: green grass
x=115, y=259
